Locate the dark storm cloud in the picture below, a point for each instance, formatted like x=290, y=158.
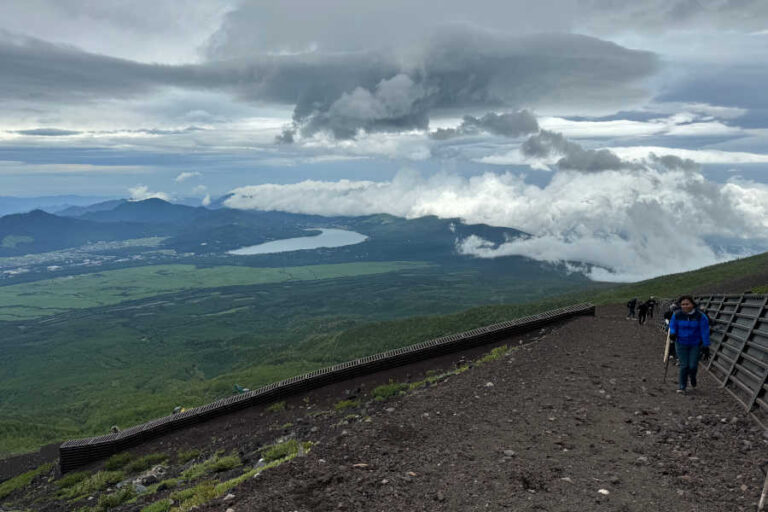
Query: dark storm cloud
x=510, y=124
x=343, y=93
x=547, y=144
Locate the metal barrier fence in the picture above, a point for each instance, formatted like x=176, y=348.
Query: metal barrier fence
x=73, y=454
x=739, y=341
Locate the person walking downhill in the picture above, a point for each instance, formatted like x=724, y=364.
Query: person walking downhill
x=642, y=312
x=631, y=308
x=651, y=306
x=689, y=329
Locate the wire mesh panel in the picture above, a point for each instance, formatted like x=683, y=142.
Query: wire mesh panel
x=740, y=348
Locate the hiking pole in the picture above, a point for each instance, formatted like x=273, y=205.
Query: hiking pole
x=666, y=357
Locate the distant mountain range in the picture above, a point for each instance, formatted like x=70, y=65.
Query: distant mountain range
x=214, y=231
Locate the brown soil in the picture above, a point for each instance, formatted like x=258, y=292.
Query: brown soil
x=547, y=427
x=583, y=410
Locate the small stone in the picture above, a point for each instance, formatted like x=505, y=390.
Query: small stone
x=440, y=496
x=229, y=497
x=604, y=492
x=509, y=453
x=390, y=409
x=230, y=510
x=314, y=429
x=614, y=479
x=489, y=384
x=139, y=488
x=384, y=482
x=567, y=479
x=744, y=487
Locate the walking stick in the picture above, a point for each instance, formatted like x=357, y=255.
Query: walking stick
x=666, y=357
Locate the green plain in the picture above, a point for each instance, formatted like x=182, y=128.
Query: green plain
x=52, y=296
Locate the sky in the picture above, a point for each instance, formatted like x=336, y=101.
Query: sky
x=628, y=138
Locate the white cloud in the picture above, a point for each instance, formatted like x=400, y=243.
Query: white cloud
x=199, y=189
x=142, y=192
x=629, y=224
x=184, y=176
x=702, y=156
x=12, y=167
x=206, y=200
x=680, y=124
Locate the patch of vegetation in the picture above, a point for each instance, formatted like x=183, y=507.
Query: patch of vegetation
x=116, y=286
x=22, y=480
x=107, y=501
x=13, y=241
x=184, y=456
x=96, y=482
x=346, y=404
x=71, y=479
x=285, y=449
x=215, y=464
x=195, y=496
x=159, y=506
x=493, y=355
x=277, y=406
x=145, y=462
x=381, y=393
x=118, y=460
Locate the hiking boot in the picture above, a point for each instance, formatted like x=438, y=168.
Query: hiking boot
x=680, y=391
x=693, y=382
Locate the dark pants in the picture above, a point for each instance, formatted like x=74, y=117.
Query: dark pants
x=688, y=356
x=641, y=318
x=631, y=313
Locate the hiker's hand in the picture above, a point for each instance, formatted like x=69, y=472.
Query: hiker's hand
x=705, y=354
x=672, y=337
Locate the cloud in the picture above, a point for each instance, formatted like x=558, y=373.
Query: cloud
x=702, y=156
x=511, y=124
x=184, y=176
x=654, y=16
x=625, y=224
x=206, y=201
x=374, y=90
x=545, y=145
x=142, y=192
x=47, y=132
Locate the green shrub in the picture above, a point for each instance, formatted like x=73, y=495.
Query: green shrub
x=95, y=482
x=493, y=355
x=23, y=480
x=346, y=404
x=215, y=464
x=145, y=462
x=195, y=496
x=282, y=450
x=159, y=506
x=118, y=460
x=71, y=479
x=184, y=456
x=277, y=407
x=385, y=391
x=107, y=501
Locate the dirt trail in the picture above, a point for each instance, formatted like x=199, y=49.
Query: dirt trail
x=578, y=420
x=545, y=428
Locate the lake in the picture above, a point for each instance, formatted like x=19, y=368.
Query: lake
x=326, y=239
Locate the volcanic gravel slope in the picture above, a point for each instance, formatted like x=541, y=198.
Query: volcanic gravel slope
x=579, y=419
x=551, y=426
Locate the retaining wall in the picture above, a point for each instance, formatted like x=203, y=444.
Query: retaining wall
x=76, y=453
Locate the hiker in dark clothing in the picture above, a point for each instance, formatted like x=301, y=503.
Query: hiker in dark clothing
x=631, y=308
x=689, y=329
x=642, y=312
x=651, y=306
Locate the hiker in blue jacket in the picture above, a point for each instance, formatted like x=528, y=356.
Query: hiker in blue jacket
x=689, y=329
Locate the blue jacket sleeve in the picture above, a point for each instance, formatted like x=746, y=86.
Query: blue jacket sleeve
x=704, y=325
x=673, y=324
